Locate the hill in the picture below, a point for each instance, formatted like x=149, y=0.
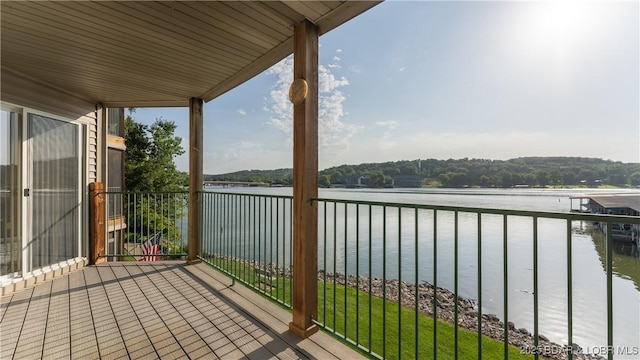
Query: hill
x=524, y=171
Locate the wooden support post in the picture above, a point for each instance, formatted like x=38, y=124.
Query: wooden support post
x=96, y=223
x=195, y=178
x=305, y=183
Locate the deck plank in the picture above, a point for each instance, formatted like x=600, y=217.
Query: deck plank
x=232, y=326
x=149, y=311
x=110, y=341
x=57, y=335
x=31, y=339
x=147, y=299
x=126, y=298
x=83, y=342
x=13, y=322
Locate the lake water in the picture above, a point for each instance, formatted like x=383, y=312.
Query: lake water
x=588, y=249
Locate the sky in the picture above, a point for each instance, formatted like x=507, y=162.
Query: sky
x=413, y=80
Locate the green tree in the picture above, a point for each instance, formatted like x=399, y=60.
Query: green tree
x=506, y=179
x=588, y=175
x=324, y=180
x=150, y=156
x=150, y=170
x=554, y=176
x=530, y=179
x=569, y=178
x=616, y=174
x=634, y=179
x=543, y=178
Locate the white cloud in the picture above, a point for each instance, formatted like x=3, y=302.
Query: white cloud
x=336, y=58
x=242, y=112
x=338, y=50
x=334, y=66
x=356, y=69
x=246, y=155
x=391, y=124
x=386, y=142
x=402, y=69
x=333, y=132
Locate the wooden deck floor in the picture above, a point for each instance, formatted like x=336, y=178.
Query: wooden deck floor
x=151, y=310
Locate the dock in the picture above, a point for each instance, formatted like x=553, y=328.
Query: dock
x=226, y=184
x=612, y=204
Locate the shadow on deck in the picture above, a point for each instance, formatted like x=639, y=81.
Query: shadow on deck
x=151, y=310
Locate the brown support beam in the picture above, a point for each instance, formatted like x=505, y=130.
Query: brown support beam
x=305, y=181
x=96, y=223
x=195, y=178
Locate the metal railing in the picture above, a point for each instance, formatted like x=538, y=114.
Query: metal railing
x=134, y=219
x=394, y=279
x=393, y=252
x=249, y=238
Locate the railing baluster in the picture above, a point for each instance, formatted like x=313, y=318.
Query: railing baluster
x=417, y=281
x=162, y=214
x=216, y=231
x=291, y=259
x=253, y=240
x=346, y=257
x=435, y=284
x=279, y=254
x=370, y=274
x=266, y=237
x=324, y=265
x=271, y=246
x=455, y=284
x=248, y=258
x=384, y=280
x=224, y=258
x=609, y=266
x=479, y=262
x=237, y=235
x=399, y=282
x=569, y=289
x=506, y=287
x=535, y=289
x=357, y=274
x=260, y=260
x=335, y=260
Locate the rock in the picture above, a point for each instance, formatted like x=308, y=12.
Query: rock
x=447, y=301
x=491, y=317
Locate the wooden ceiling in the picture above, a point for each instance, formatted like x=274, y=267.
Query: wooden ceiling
x=130, y=53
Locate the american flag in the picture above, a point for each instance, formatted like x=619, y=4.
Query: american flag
x=151, y=248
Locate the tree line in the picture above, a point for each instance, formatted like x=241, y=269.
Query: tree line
x=457, y=173
x=150, y=170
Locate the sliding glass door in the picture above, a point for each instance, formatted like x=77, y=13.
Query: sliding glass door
x=53, y=191
x=41, y=166
x=10, y=194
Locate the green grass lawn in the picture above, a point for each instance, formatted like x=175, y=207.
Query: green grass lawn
x=388, y=327
x=400, y=328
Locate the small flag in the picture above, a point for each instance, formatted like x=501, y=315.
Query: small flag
x=151, y=248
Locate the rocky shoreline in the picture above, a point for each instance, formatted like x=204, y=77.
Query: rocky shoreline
x=492, y=326
x=467, y=313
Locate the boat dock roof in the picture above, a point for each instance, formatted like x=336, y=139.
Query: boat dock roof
x=631, y=201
